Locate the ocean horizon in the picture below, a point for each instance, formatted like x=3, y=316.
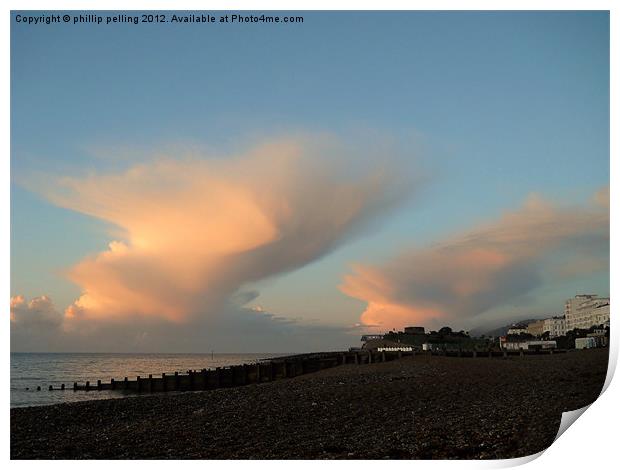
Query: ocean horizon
x=30, y=370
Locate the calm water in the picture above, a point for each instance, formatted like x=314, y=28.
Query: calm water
x=29, y=370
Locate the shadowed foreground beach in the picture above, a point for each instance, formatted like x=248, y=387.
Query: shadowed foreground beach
x=423, y=407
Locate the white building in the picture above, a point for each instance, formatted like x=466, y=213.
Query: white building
x=532, y=344
x=586, y=310
x=556, y=326
x=517, y=329
x=585, y=343
x=536, y=328
x=600, y=315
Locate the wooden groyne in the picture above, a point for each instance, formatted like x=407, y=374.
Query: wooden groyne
x=273, y=369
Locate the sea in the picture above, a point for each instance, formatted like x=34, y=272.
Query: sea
x=32, y=370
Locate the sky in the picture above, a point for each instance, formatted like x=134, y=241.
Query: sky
x=282, y=188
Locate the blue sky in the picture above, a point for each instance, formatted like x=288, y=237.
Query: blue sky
x=492, y=107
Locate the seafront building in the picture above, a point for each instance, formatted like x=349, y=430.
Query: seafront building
x=586, y=310
x=585, y=343
x=556, y=326
x=371, y=337
x=414, y=330
x=529, y=345
x=582, y=311
x=536, y=328
x=517, y=330
x=416, y=337
x=600, y=315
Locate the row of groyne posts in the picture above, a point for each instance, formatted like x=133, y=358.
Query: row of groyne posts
x=273, y=369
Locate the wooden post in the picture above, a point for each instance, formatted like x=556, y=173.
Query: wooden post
x=270, y=369
x=75, y=387
x=164, y=385
x=126, y=383
x=138, y=384
x=205, y=384
x=218, y=377
x=176, y=380
x=191, y=379
x=258, y=372
x=112, y=384
x=150, y=383
x=50, y=388
x=244, y=373
x=382, y=356
x=62, y=386
x=87, y=385
x=98, y=384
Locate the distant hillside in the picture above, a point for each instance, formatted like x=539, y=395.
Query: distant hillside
x=501, y=331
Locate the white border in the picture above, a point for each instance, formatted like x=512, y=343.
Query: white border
x=589, y=444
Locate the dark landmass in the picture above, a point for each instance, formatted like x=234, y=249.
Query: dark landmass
x=500, y=331
x=413, y=408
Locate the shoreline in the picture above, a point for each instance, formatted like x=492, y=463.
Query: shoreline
x=262, y=370
x=422, y=407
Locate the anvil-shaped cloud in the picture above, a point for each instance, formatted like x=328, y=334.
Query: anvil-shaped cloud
x=194, y=230
x=486, y=267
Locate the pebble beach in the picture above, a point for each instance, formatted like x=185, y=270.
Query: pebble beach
x=425, y=407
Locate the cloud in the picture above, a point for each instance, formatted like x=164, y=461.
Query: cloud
x=193, y=231
x=485, y=267
x=38, y=312
x=35, y=324
x=38, y=326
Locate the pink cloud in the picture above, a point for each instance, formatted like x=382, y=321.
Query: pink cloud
x=194, y=231
x=483, y=268
x=39, y=312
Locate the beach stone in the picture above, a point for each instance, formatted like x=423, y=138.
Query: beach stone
x=418, y=408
